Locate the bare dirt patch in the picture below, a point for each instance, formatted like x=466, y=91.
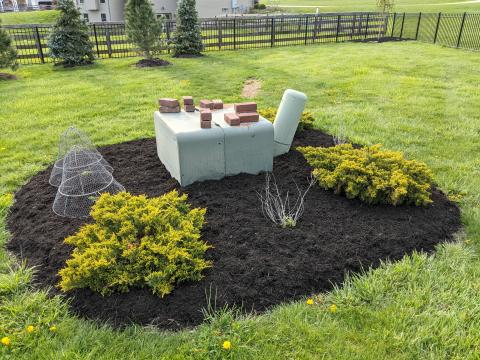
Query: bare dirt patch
x=251, y=88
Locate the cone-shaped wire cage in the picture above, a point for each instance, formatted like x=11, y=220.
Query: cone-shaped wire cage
x=84, y=178
x=74, y=138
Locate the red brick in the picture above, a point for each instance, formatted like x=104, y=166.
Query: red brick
x=206, y=104
x=247, y=107
x=189, y=108
x=206, y=115
x=231, y=119
x=248, y=117
x=165, y=109
x=217, y=104
x=168, y=102
x=187, y=100
x=205, y=124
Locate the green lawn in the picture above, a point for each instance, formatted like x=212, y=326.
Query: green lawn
x=29, y=17
x=370, y=5
x=421, y=99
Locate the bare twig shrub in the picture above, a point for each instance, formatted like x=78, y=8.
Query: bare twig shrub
x=278, y=209
x=340, y=137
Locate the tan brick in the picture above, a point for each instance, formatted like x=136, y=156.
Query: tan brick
x=248, y=117
x=246, y=107
x=168, y=102
x=217, y=104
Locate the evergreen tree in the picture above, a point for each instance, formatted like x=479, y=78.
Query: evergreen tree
x=69, y=40
x=188, y=38
x=142, y=27
x=8, y=54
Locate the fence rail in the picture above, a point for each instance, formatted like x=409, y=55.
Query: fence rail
x=110, y=41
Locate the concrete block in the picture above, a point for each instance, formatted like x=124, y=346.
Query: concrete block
x=206, y=124
x=189, y=108
x=165, y=109
x=206, y=115
x=248, y=117
x=217, y=104
x=232, y=119
x=187, y=100
x=168, y=102
x=245, y=107
x=206, y=104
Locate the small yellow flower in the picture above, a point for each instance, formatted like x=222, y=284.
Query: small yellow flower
x=468, y=241
x=333, y=308
x=6, y=341
x=309, y=301
x=52, y=328
x=227, y=345
x=30, y=329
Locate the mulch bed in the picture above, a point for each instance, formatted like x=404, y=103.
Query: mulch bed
x=7, y=76
x=256, y=265
x=152, y=63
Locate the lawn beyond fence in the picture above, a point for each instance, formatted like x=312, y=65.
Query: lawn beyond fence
x=110, y=41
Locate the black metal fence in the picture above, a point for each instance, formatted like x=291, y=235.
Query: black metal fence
x=110, y=41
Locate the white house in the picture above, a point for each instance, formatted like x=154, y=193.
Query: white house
x=112, y=10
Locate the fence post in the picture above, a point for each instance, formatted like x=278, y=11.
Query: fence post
x=418, y=25
x=315, y=28
x=219, y=33
x=366, y=26
x=39, y=45
x=272, y=35
x=393, y=24
x=96, y=39
x=461, y=29
x=109, y=44
x=168, y=25
x=353, y=27
x=306, y=29
x=338, y=28
x=438, y=26
x=234, y=33
x=401, y=29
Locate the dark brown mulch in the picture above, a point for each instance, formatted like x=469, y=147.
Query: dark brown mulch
x=189, y=56
x=7, y=76
x=256, y=264
x=152, y=63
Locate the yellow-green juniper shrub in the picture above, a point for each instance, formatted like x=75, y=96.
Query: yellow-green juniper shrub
x=371, y=174
x=306, y=121
x=137, y=241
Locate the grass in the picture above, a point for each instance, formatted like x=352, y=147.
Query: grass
x=29, y=17
x=310, y=6
x=421, y=99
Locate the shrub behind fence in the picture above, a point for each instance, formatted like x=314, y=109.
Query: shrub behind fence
x=110, y=41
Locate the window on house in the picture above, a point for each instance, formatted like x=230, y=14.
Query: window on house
x=225, y=10
x=104, y=17
x=102, y=1
x=81, y=1
x=85, y=17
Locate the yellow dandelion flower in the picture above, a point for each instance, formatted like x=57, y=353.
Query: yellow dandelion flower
x=52, y=328
x=227, y=345
x=30, y=329
x=6, y=341
x=333, y=308
x=310, y=301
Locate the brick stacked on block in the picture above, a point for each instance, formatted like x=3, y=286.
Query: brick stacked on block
x=206, y=104
x=247, y=112
x=205, y=118
x=232, y=119
x=188, y=104
x=217, y=104
x=168, y=105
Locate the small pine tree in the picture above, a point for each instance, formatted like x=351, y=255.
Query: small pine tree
x=70, y=40
x=188, y=38
x=8, y=54
x=142, y=28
